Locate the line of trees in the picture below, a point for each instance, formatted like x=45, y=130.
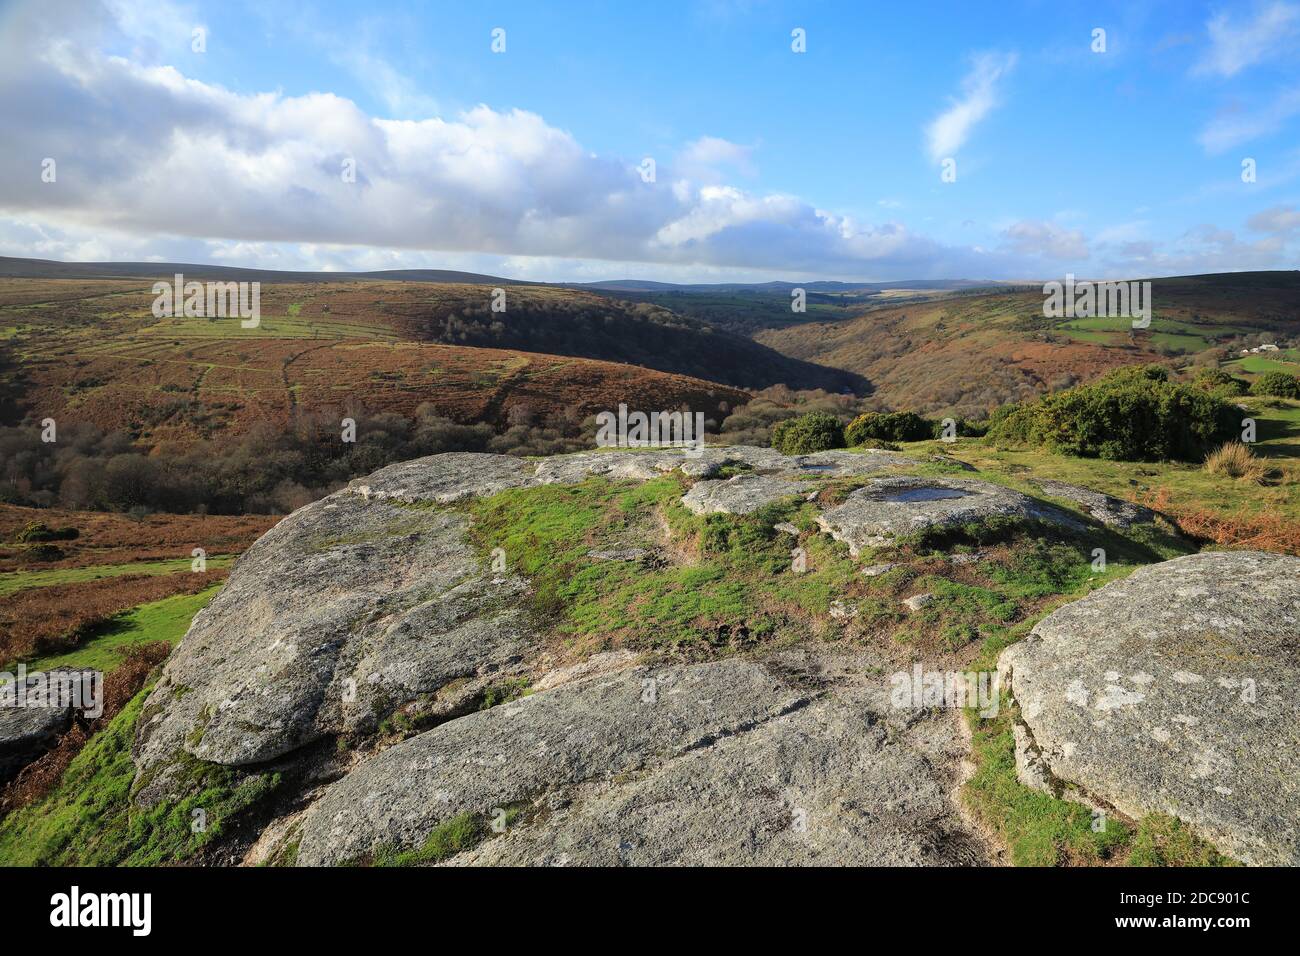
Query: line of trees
x=264, y=471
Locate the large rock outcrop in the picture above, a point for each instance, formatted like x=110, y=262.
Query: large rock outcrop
x=1174, y=691
x=371, y=599
x=374, y=601
x=343, y=611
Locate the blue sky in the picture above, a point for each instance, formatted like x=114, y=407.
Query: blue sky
x=768, y=163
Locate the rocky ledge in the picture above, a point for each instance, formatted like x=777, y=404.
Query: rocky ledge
x=796, y=760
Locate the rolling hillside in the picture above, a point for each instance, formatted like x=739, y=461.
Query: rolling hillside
x=48, y=320
x=90, y=351
x=966, y=354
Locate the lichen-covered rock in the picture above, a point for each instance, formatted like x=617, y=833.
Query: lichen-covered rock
x=845, y=464
x=779, y=477
x=446, y=478
x=1107, y=509
x=739, y=495
x=343, y=611
x=1031, y=769
x=728, y=762
x=918, y=602
x=642, y=465
x=890, y=508
x=1174, y=691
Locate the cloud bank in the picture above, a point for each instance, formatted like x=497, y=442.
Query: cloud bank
x=154, y=164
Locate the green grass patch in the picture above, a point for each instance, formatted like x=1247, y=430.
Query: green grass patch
x=455, y=835
x=460, y=833
x=88, y=819
x=504, y=692
x=165, y=620
x=1165, y=841
x=737, y=583
x=1258, y=365
x=1038, y=829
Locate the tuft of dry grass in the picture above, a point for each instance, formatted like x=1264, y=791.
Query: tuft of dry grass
x=1235, y=460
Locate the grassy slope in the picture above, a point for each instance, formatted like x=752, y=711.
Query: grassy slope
x=104, y=358
x=88, y=820
x=166, y=620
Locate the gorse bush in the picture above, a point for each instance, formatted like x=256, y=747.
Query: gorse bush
x=1277, y=384
x=1132, y=414
x=817, y=431
x=889, y=427
x=1220, y=383
x=36, y=531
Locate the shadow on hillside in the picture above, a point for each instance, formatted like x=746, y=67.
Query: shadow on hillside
x=1282, y=437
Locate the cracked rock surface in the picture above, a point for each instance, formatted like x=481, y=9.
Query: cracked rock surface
x=728, y=762
x=1174, y=691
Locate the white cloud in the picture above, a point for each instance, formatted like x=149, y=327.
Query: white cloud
x=1203, y=249
x=1240, y=125
x=1278, y=220
x=710, y=158
x=1234, y=47
x=1046, y=240
x=979, y=94
x=155, y=164
x=151, y=161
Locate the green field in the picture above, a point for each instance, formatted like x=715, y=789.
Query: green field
x=14, y=581
x=1288, y=361
x=165, y=620
x=1172, y=334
